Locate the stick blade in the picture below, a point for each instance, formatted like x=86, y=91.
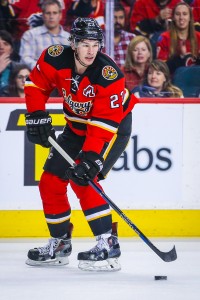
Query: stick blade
x=168, y=256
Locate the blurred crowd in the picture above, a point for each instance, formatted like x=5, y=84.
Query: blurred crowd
x=156, y=42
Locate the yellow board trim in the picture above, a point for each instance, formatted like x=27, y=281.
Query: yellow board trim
x=153, y=223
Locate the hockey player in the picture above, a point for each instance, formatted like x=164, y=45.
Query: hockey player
x=97, y=109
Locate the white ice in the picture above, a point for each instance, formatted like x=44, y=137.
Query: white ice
x=134, y=282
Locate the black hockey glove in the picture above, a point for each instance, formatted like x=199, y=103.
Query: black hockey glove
x=91, y=164
x=39, y=128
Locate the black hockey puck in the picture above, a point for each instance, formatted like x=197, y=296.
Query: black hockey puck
x=160, y=277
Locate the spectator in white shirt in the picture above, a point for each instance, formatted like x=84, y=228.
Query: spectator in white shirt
x=35, y=40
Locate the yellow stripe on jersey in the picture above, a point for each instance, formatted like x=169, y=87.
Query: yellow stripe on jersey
x=110, y=146
x=30, y=83
x=103, y=126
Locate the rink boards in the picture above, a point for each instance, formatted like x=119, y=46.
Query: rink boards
x=155, y=182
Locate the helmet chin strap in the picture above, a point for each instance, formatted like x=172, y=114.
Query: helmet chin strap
x=77, y=57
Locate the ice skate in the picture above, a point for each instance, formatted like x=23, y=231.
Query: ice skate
x=55, y=253
x=104, y=256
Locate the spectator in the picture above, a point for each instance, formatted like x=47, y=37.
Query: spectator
x=139, y=55
x=157, y=83
x=150, y=18
x=122, y=38
x=87, y=8
x=22, y=15
x=35, y=40
x=7, y=64
x=180, y=46
x=127, y=4
x=16, y=83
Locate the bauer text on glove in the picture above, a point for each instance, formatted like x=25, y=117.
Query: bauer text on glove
x=39, y=128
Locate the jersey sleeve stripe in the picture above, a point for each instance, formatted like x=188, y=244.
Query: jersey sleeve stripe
x=103, y=126
x=126, y=96
x=109, y=146
x=30, y=83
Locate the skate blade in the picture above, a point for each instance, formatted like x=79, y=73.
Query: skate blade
x=108, y=265
x=57, y=262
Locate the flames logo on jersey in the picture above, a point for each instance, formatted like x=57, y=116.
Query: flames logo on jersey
x=55, y=50
x=79, y=108
x=109, y=73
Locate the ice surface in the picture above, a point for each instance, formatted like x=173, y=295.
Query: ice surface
x=134, y=282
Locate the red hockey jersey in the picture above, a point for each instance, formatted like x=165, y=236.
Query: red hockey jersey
x=93, y=102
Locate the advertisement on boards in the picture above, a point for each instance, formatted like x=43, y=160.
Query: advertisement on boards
x=150, y=174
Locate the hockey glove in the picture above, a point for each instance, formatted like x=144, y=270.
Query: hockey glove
x=91, y=164
x=39, y=128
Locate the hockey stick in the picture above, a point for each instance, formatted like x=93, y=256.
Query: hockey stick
x=166, y=256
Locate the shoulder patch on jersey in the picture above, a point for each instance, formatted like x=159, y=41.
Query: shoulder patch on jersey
x=55, y=50
x=109, y=73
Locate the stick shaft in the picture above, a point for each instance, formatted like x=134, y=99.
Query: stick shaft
x=166, y=256
x=61, y=151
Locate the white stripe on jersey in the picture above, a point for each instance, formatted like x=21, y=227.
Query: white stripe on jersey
x=76, y=119
x=58, y=220
x=98, y=214
x=103, y=126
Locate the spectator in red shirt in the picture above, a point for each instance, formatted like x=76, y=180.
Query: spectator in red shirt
x=139, y=55
x=180, y=46
x=151, y=16
x=24, y=14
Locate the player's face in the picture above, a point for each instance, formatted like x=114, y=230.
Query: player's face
x=52, y=16
x=156, y=79
x=182, y=17
x=141, y=53
x=87, y=51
